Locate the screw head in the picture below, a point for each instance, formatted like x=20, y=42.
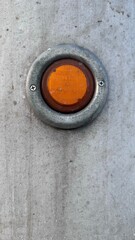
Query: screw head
x=101, y=83
x=33, y=88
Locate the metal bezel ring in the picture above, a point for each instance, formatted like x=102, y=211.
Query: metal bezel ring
x=47, y=114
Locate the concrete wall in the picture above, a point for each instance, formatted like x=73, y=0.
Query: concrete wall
x=56, y=184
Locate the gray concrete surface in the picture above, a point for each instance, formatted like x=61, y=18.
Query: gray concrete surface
x=78, y=184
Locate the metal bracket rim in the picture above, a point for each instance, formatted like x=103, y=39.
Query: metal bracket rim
x=48, y=115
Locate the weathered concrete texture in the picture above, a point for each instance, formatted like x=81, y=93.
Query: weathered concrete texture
x=55, y=184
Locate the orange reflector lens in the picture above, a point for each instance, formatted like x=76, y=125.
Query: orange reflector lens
x=67, y=85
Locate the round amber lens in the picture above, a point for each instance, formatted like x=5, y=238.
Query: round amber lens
x=67, y=85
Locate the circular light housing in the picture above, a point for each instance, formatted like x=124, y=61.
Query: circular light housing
x=67, y=86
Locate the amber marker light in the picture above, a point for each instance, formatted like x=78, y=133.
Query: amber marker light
x=67, y=85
